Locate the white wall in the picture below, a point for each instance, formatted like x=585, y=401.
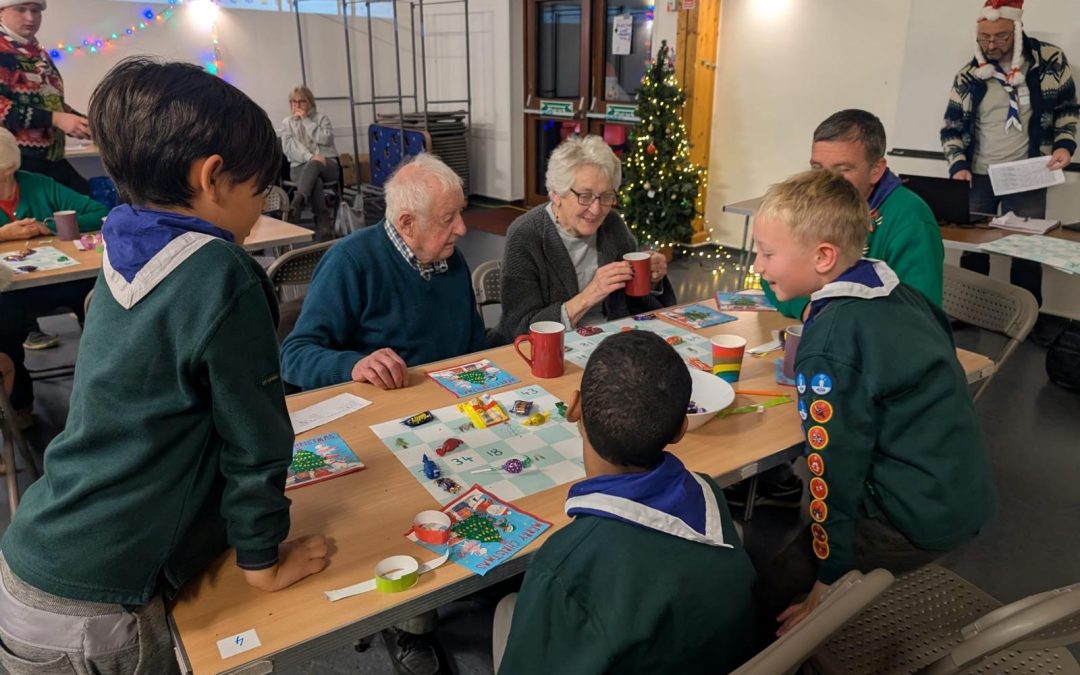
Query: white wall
x=261, y=56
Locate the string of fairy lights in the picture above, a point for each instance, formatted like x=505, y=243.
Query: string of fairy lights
x=105, y=42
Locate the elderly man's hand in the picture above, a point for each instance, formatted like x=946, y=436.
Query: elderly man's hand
x=657, y=267
x=25, y=228
x=1059, y=159
x=962, y=175
x=382, y=368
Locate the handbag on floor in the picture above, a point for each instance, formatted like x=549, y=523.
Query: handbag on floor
x=1063, y=357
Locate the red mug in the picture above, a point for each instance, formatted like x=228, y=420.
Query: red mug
x=546, y=341
x=641, y=284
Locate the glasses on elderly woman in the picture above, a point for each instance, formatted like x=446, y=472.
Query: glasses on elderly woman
x=298, y=101
x=587, y=198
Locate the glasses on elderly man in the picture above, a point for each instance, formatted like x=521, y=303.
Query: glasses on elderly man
x=587, y=198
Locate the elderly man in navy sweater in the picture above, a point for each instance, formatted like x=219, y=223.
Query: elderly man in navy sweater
x=392, y=295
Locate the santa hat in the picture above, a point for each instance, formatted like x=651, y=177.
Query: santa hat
x=12, y=3
x=1013, y=10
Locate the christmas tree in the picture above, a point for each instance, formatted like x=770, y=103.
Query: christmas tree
x=661, y=186
x=305, y=460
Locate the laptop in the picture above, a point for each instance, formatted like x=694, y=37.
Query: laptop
x=948, y=199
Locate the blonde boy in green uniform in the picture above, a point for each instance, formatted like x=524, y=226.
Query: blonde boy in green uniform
x=899, y=469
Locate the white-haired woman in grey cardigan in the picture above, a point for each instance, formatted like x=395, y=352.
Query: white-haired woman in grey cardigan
x=563, y=260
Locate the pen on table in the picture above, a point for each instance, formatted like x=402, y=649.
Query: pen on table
x=758, y=392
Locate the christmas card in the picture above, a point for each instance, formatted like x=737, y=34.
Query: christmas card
x=697, y=316
x=747, y=301
x=320, y=458
x=485, y=531
x=473, y=378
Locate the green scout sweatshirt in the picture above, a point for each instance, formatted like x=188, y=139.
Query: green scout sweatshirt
x=41, y=196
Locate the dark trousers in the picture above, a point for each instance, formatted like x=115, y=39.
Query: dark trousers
x=1026, y=274
x=791, y=574
x=17, y=309
x=309, y=179
x=60, y=171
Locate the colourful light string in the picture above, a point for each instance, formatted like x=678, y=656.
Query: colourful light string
x=97, y=45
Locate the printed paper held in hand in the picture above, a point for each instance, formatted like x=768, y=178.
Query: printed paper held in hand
x=1008, y=178
x=326, y=411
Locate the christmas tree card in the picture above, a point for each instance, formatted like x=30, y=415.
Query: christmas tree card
x=697, y=316
x=320, y=458
x=485, y=531
x=470, y=379
x=746, y=301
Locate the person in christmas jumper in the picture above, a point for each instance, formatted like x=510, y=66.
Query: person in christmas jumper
x=650, y=575
x=1016, y=99
x=177, y=440
x=903, y=230
x=898, y=463
x=32, y=96
x=564, y=260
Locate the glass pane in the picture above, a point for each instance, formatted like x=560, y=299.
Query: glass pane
x=625, y=58
x=558, y=49
x=549, y=133
x=617, y=136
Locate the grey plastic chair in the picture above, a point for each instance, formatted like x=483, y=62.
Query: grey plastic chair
x=487, y=283
x=847, y=596
x=991, y=305
x=13, y=440
x=290, y=275
x=933, y=622
x=276, y=200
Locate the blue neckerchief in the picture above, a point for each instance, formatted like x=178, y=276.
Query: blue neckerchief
x=669, y=488
x=885, y=187
x=134, y=235
x=861, y=273
x=1013, y=117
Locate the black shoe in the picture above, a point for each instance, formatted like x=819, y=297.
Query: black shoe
x=1047, y=328
x=784, y=494
x=414, y=654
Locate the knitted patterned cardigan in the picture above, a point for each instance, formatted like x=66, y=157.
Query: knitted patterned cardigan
x=1053, y=106
x=31, y=90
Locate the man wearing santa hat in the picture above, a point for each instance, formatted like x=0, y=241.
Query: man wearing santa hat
x=1016, y=99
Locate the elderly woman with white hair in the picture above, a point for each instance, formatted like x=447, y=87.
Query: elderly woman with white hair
x=392, y=295
x=307, y=140
x=26, y=200
x=564, y=259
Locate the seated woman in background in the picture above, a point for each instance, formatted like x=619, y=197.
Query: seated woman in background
x=564, y=259
x=307, y=139
x=26, y=200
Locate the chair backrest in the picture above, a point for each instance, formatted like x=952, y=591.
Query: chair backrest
x=991, y=305
x=1042, y=621
x=276, y=200
x=296, y=267
x=847, y=596
x=487, y=282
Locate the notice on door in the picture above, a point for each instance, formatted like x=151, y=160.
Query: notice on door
x=622, y=33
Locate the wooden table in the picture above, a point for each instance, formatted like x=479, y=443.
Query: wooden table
x=969, y=238
x=267, y=233
x=367, y=513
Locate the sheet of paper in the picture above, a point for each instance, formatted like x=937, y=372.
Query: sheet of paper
x=622, y=32
x=1059, y=253
x=238, y=644
x=1011, y=221
x=1009, y=178
x=326, y=411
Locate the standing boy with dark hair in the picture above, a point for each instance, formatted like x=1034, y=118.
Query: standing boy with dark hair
x=650, y=576
x=900, y=474
x=177, y=440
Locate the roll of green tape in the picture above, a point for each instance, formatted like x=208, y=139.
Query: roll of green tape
x=396, y=573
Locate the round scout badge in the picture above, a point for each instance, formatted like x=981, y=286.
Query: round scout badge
x=818, y=532
x=821, y=411
x=819, y=489
x=818, y=511
x=817, y=437
x=800, y=383
x=802, y=410
x=821, y=549
x=815, y=463
x=821, y=384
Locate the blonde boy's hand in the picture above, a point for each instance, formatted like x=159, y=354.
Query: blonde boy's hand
x=299, y=558
x=795, y=614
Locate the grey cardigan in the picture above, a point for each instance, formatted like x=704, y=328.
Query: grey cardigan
x=538, y=277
